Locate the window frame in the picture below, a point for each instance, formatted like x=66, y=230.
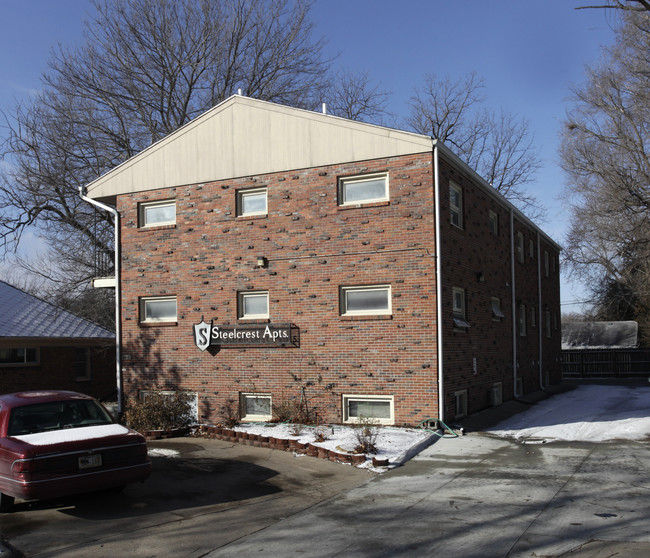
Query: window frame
x=347, y=398
x=145, y=300
x=456, y=210
x=255, y=418
x=522, y=321
x=142, y=213
x=343, y=181
x=497, y=311
x=493, y=222
x=79, y=363
x=35, y=362
x=242, y=193
x=241, y=297
x=343, y=300
x=521, y=248
x=460, y=403
x=459, y=314
x=547, y=265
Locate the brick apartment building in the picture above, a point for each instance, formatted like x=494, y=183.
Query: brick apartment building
x=273, y=256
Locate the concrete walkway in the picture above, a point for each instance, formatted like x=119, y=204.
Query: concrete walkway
x=478, y=496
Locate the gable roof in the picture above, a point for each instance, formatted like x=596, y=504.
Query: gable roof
x=243, y=136
x=599, y=335
x=27, y=317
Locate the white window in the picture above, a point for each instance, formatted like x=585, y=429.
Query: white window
x=369, y=300
x=533, y=317
x=18, y=356
x=456, y=205
x=522, y=320
x=363, y=189
x=459, y=317
x=460, y=400
x=252, y=202
x=494, y=223
x=158, y=309
x=497, y=313
x=255, y=407
x=373, y=408
x=157, y=213
x=520, y=247
x=253, y=305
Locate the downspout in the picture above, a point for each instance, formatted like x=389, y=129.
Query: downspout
x=540, y=320
x=118, y=327
x=441, y=382
x=514, y=304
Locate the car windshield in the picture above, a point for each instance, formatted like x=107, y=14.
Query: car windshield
x=56, y=415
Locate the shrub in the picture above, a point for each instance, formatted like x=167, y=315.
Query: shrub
x=366, y=434
x=159, y=411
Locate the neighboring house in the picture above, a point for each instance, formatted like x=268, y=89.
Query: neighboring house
x=600, y=335
x=271, y=255
x=45, y=347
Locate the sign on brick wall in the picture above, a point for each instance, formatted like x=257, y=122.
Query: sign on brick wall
x=239, y=336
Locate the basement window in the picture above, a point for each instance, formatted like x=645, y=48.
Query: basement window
x=460, y=402
x=157, y=214
x=255, y=407
x=378, y=409
x=357, y=190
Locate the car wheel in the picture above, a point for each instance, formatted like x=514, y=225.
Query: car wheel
x=6, y=503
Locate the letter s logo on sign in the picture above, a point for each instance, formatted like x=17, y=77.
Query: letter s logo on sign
x=202, y=335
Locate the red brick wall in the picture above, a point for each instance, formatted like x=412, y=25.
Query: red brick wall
x=313, y=247
x=478, y=261
x=56, y=371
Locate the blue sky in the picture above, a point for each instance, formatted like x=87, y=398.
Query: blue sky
x=529, y=52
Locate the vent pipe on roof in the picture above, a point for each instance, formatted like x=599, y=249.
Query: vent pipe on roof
x=324, y=108
x=239, y=92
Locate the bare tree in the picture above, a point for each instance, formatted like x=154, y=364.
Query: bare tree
x=605, y=152
x=355, y=97
x=629, y=5
x=146, y=68
x=498, y=145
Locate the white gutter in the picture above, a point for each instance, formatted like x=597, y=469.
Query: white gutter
x=514, y=304
x=540, y=319
x=441, y=382
x=118, y=328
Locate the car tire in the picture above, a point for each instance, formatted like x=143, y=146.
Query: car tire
x=6, y=503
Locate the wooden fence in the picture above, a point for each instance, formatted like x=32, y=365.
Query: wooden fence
x=606, y=363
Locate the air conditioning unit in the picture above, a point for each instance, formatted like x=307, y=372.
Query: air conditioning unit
x=495, y=395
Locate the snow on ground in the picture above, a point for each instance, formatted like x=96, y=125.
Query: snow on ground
x=589, y=413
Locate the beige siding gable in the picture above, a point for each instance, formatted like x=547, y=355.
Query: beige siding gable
x=243, y=136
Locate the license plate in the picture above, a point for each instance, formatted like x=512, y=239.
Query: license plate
x=88, y=461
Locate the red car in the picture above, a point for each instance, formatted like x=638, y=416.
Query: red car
x=58, y=443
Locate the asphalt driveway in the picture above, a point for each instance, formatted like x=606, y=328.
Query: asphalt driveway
x=472, y=496
x=204, y=495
